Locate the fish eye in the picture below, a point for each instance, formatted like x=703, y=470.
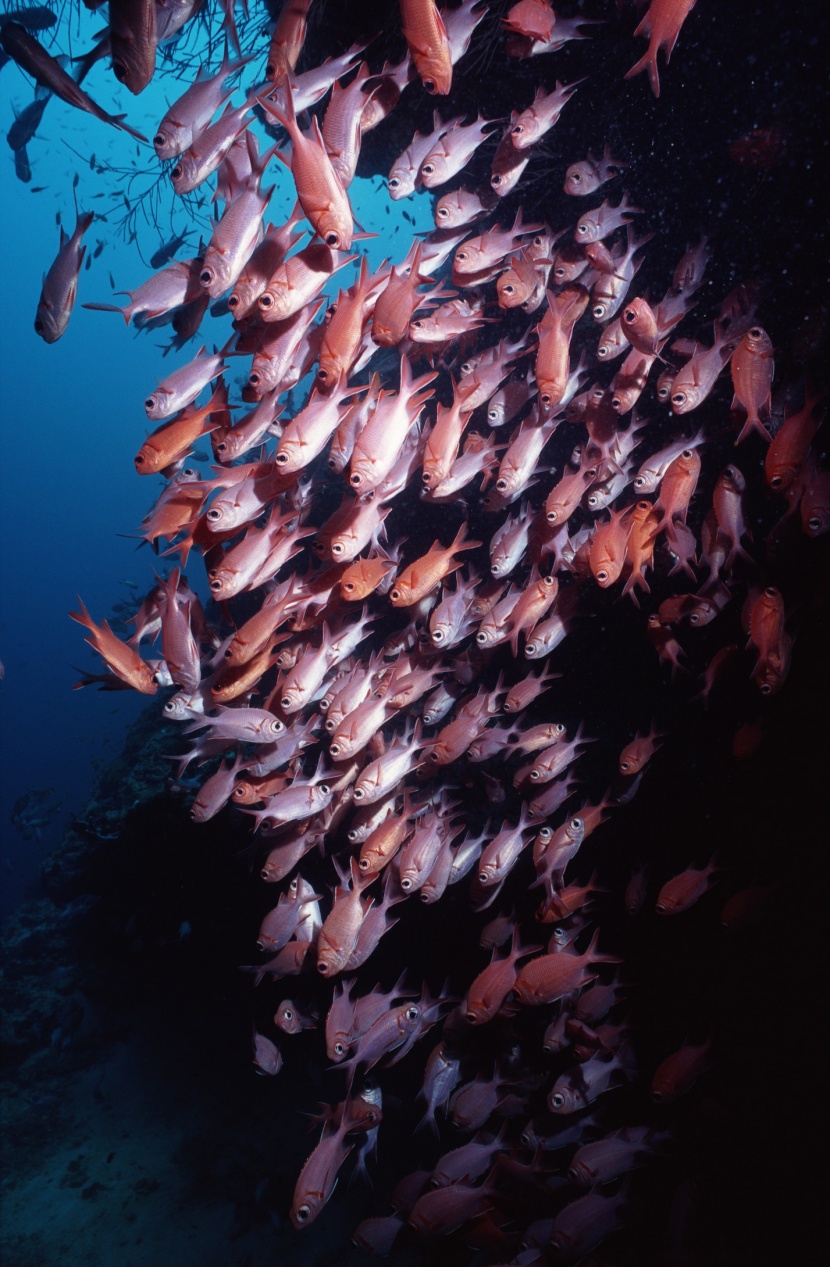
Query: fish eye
x=694, y=617
x=438, y=636
x=548, y=580
x=640, y=483
x=814, y=523
x=577, y=824
x=303, y=1213
x=687, y=453
x=394, y=182
x=603, y=350
x=534, y=774
x=358, y=795
x=775, y=482
x=771, y=592
x=38, y=326
x=216, y=585
x=765, y=688
x=176, y=174
x=287, y=1014
x=429, y=85
x=337, y=548
x=332, y=239
x=509, y=290
x=206, y=276
x=322, y=967
x=428, y=168
x=396, y=594
x=598, y=311
x=461, y=255
x=324, y=789
x=322, y=374
x=406, y=883
x=657, y=1095
x=602, y=576
x=150, y=403
x=338, y=1049
x=629, y=315
x=213, y=514
x=679, y=398
x=557, y=1100
x=442, y=213
x=233, y=300
x=266, y=300
x=159, y=140
x=624, y=765
x=582, y=228
x=593, y=500
x=412, y=1013
x=756, y=333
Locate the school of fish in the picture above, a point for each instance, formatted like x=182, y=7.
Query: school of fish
x=371, y=680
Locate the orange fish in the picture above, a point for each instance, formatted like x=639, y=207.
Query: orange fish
x=429, y=47
x=788, y=450
x=120, y=658
x=425, y=573
x=287, y=40
x=319, y=189
x=363, y=576
x=662, y=26
x=752, y=370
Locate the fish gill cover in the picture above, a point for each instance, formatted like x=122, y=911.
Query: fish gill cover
x=462, y=575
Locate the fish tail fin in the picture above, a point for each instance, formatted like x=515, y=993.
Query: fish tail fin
x=647, y=62
x=125, y=312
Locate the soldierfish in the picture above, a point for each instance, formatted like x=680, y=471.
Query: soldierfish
x=60, y=285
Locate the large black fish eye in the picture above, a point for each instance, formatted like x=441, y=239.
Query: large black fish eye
x=38, y=326
x=233, y=300
x=442, y=212
x=176, y=173
x=756, y=333
x=159, y=140
x=332, y=239
x=206, y=276
x=679, y=398
x=120, y=71
x=266, y=300
x=150, y=403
